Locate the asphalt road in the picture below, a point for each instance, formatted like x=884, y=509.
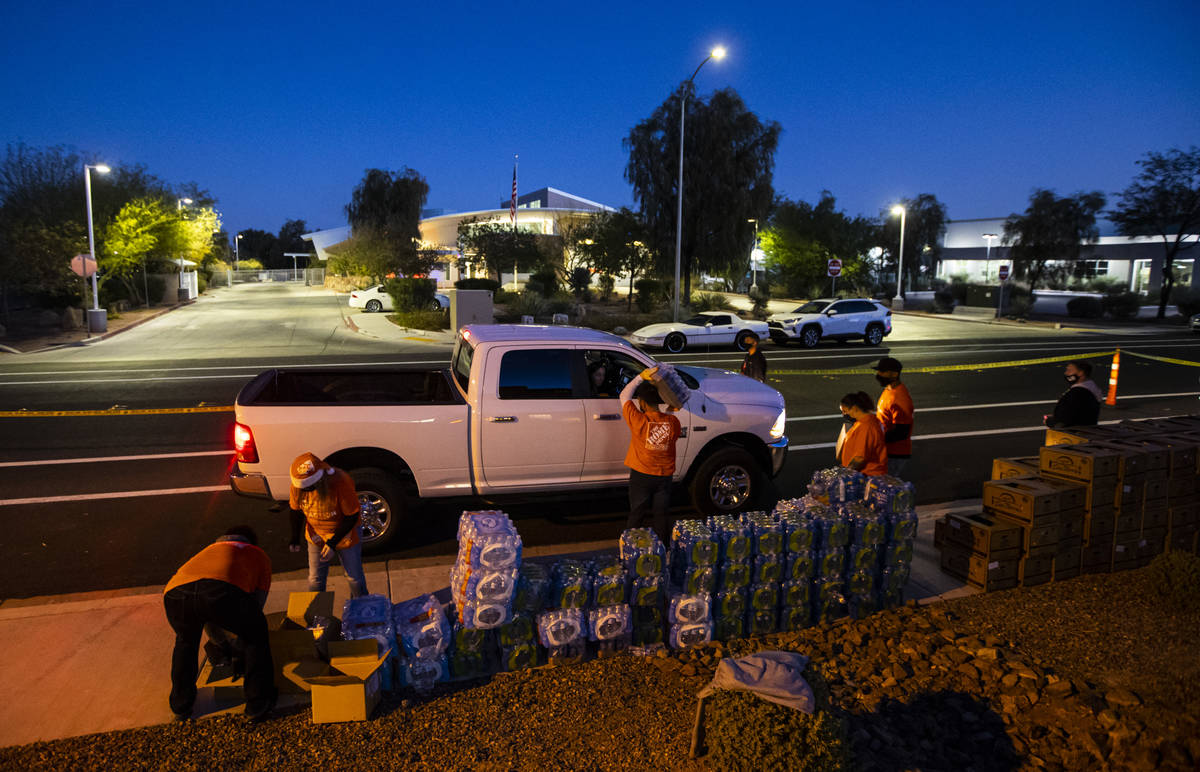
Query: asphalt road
x=93, y=502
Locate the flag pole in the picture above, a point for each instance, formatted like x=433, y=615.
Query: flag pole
x=514, y=220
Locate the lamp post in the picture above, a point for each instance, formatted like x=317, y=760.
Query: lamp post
x=236, y=252
x=179, y=202
x=987, y=269
x=755, y=254
x=96, y=322
x=898, y=301
x=717, y=53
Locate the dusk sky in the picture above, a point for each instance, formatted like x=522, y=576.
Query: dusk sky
x=278, y=108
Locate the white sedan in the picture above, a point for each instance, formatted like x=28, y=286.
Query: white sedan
x=377, y=299
x=710, y=328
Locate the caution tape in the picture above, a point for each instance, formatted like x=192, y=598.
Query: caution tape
x=1168, y=360
x=958, y=368
x=144, y=411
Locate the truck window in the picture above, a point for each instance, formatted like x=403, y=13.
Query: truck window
x=463, y=353
x=538, y=374
x=609, y=371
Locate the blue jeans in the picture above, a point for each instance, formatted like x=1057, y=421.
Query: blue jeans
x=351, y=560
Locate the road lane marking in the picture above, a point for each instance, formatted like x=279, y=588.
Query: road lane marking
x=114, y=495
x=252, y=368
x=1002, y=404
x=113, y=459
x=124, y=411
x=977, y=433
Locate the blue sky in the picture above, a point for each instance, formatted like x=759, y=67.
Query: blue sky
x=278, y=108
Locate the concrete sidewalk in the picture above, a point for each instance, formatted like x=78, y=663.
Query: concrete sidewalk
x=100, y=662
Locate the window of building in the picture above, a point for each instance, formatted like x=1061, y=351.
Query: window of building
x=1090, y=269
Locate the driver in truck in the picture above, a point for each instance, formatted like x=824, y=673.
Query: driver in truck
x=323, y=499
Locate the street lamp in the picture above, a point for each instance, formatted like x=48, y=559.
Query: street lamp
x=755, y=255
x=717, y=53
x=236, y=252
x=95, y=320
x=898, y=301
x=179, y=202
x=987, y=270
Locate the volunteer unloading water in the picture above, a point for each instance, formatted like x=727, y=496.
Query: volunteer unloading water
x=651, y=455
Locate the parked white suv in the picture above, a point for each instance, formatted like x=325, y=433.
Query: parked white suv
x=832, y=318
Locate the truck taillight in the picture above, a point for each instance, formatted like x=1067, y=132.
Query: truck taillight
x=243, y=443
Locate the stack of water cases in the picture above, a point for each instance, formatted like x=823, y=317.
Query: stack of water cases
x=610, y=618
x=693, y=558
x=370, y=617
x=895, y=501
x=766, y=576
x=691, y=619
x=517, y=638
x=563, y=632
x=800, y=541
x=735, y=561
x=483, y=580
x=644, y=558
x=424, y=635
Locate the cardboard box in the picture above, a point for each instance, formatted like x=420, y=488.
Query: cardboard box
x=1150, y=546
x=978, y=570
x=1067, y=560
x=1096, y=558
x=984, y=534
x=1098, y=523
x=1036, y=570
x=347, y=688
x=1072, y=493
x=1125, y=551
x=291, y=640
x=1131, y=493
x=226, y=686
x=1181, y=453
x=1132, y=461
x=1128, y=522
x=1024, y=500
x=1070, y=524
x=1077, y=435
x=1100, y=492
x=939, y=532
x=1181, y=486
x=1079, y=462
x=1156, y=490
x=1154, y=518
x=1004, y=468
x=1183, y=539
x=1182, y=515
x=1158, y=454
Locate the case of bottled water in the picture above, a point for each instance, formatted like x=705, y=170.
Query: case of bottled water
x=689, y=609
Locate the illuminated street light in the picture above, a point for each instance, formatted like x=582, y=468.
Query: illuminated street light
x=756, y=254
x=179, y=202
x=898, y=301
x=717, y=53
x=93, y=315
x=236, y=252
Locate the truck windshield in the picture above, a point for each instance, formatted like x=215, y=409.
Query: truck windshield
x=461, y=363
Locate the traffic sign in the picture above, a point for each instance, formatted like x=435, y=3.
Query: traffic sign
x=83, y=265
x=834, y=267
x=1004, y=273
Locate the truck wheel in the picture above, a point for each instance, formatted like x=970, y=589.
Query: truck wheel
x=381, y=507
x=675, y=342
x=374, y=306
x=811, y=336
x=725, y=482
x=874, y=335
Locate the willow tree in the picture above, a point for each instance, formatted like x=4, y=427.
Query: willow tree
x=728, y=164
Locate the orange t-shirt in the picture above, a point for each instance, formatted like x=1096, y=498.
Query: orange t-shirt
x=652, y=444
x=322, y=515
x=896, y=408
x=243, y=565
x=865, y=439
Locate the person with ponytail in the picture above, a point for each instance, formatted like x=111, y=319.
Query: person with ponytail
x=863, y=447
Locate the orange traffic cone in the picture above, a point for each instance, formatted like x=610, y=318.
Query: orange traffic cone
x=1112, y=379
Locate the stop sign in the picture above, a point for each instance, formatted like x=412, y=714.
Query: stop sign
x=1004, y=273
x=83, y=265
x=834, y=267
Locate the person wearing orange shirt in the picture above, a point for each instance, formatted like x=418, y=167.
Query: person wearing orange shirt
x=895, y=413
x=862, y=448
x=225, y=586
x=324, y=500
x=651, y=454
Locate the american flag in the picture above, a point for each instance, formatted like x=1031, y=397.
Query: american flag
x=512, y=206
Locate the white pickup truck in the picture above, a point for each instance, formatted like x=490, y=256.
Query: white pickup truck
x=521, y=410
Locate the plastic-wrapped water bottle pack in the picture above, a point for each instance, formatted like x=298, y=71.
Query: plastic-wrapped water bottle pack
x=425, y=635
x=733, y=536
x=488, y=539
x=693, y=544
x=610, y=623
x=367, y=616
x=572, y=584
x=838, y=484
x=889, y=495
x=484, y=578
x=642, y=552
x=533, y=588
x=766, y=532
x=562, y=627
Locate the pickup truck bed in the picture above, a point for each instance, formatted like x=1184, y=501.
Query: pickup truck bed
x=350, y=387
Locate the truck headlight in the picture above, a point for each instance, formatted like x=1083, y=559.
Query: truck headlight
x=779, y=425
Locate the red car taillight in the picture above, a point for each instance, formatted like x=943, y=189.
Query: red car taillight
x=243, y=443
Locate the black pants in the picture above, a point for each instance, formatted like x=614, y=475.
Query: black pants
x=209, y=601
x=649, y=494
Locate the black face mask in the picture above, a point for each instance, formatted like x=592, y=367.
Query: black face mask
x=1071, y=378
x=848, y=418
x=884, y=380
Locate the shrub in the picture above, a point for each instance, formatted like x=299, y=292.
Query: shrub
x=478, y=284
x=422, y=320
x=1175, y=577
x=503, y=297
x=958, y=290
x=649, y=293
x=710, y=301
x=943, y=301
x=580, y=281
x=609, y=322
x=201, y=283
x=608, y=285
x=411, y=294
x=1123, y=305
x=562, y=302
x=1018, y=300
x=543, y=281
x=1085, y=307
x=746, y=732
x=1186, y=300
x=759, y=296
x=528, y=303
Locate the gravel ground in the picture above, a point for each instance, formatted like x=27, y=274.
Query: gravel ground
x=1087, y=674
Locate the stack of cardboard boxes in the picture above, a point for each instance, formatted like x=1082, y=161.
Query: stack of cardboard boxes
x=1095, y=499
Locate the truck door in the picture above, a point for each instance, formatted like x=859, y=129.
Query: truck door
x=607, y=433
x=533, y=430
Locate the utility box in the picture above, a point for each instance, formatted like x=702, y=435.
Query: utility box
x=470, y=307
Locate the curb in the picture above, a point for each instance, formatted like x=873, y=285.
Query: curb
x=98, y=338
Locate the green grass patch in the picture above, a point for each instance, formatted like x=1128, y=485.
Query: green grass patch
x=422, y=320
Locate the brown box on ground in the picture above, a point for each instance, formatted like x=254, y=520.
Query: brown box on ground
x=1036, y=570
x=226, y=686
x=1077, y=435
x=1040, y=540
x=1067, y=559
x=1098, y=523
x=1157, y=475
x=983, y=534
x=1101, y=492
x=1133, y=460
x=1150, y=545
x=1158, y=454
x=1182, y=514
x=939, y=531
x=1180, y=486
x=986, y=573
x=1079, y=462
x=1155, y=518
x=1070, y=523
x=1071, y=493
x=1181, y=452
x=1096, y=558
x=1128, y=521
x=1131, y=493
x=1157, y=490
x=347, y=688
x=1182, y=539
x=291, y=640
x=1125, y=551
x=1024, y=500
x=1003, y=468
